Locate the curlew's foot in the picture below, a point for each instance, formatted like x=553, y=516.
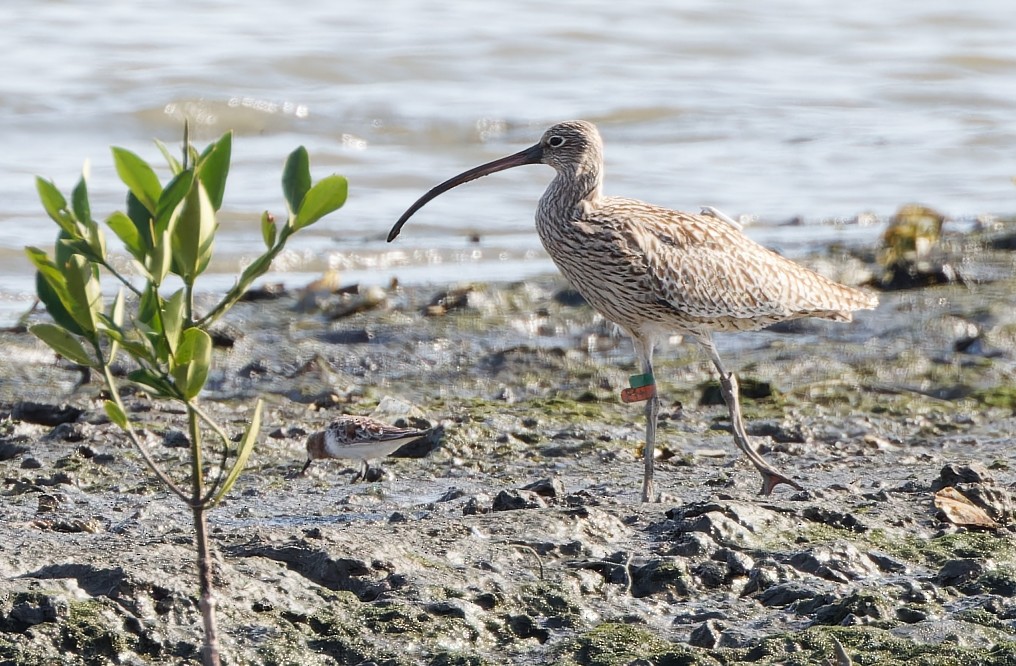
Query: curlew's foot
x=771, y=478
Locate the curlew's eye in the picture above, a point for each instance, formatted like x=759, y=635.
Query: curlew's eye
x=555, y=141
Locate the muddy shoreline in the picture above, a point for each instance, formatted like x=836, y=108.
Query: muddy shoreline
x=519, y=538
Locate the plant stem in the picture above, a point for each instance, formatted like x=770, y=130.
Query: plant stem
x=135, y=440
x=246, y=280
x=210, y=650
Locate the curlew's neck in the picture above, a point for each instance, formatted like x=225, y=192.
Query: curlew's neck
x=572, y=187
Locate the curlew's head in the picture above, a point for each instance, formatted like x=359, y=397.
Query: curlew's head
x=571, y=147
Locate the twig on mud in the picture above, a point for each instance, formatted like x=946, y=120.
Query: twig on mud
x=530, y=549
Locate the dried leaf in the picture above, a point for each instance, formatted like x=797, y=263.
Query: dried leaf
x=959, y=510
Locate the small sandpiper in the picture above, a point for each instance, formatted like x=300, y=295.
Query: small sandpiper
x=359, y=438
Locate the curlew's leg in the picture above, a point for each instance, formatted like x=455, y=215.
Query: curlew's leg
x=728, y=385
x=652, y=413
x=644, y=350
x=304, y=470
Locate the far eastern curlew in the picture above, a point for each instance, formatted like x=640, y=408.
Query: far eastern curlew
x=655, y=272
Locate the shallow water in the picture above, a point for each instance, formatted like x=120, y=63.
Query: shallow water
x=771, y=111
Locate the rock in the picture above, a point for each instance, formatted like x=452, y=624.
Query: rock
x=351, y=336
x=738, y=563
x=318, y=566
x=887, y=563
x=860, y=607
x=841, y=562
x=668, y=576
x=710, y=574
x=751, y=389
x=95, y=581
x=27, y=609
x=779, y=432
x=953, y=474
x=175, y=439
x=45, y=414
x=833, y=518
x=551, y=488
x=692, y=544
x=728, y=523
x=524, y=626
x=958, y=572
x=911, y=615
x=458, y=298
x=569, y=298
x=514, y=500
x=784, y=594
x=707, y=634
x=476, y=505
x=370, y=298
x=269, y=291
x=451, y=495
x=397, y=411
x=10, y=450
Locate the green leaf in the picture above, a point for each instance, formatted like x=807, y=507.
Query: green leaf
x=159, y=260
x=116, y=315
x=326, y=196
x=174, y=164
x=68, y=247
x=149, y=308
x=194, y=359
x=116, y=311
x=85, y=294
x=63, y=342
x=55, y=205
x=79, y=198
x=153, y=381
x=170, y=199
x=51, y=288
x=268, y=231
x=213, y=168
x=63, y=250
x=243, y=452
x=139, y=348
x=173, y=320
x=127, y=232
x=296, y=179
x=139, y=177
x=45, y=265
x=193, y=234
x=115, y=414
x=97, y=242
x=55, y=298
x=141, y=218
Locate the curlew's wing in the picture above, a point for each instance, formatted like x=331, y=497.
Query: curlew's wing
x=705, y=267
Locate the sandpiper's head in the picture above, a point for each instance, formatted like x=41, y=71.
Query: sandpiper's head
x=568, y=147
x=316, y=446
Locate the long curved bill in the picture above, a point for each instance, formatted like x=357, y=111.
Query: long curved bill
x=531, y=155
